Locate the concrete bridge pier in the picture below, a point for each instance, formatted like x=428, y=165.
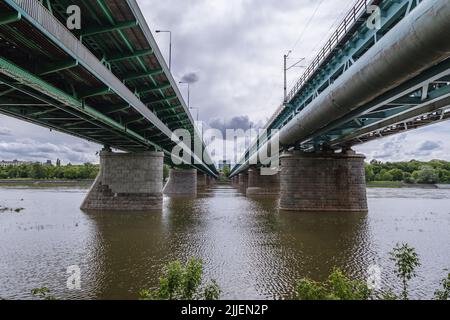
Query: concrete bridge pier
x=261, y=184
x=202, y=180
x=323, y=182
x=127, y=182
x=211, y=181
x=182, y=182
x=243, y=181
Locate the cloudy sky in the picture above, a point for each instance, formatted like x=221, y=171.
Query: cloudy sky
x=232, y=52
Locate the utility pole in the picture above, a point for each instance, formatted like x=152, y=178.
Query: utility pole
x=170, y=45
x=286, y=68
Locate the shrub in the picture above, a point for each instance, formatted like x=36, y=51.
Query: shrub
x=337, y=287
x=443, y=294
x=406, y=261
x=182, y=283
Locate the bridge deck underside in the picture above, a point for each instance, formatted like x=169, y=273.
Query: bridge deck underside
x=43, y=83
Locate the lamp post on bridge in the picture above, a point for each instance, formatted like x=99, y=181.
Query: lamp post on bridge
x=170, y=45
x=286, y=68
x=189, y=92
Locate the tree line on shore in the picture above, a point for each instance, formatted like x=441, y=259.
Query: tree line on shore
x=38, y=171
x=435, y=171
x=432, y=172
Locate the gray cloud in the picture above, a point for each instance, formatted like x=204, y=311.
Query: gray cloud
x=32, y=150
x=191, y=77
x=429, y=146
x=5, y=131
x=239, y=122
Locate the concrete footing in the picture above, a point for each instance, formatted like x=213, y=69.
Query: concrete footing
x=127, y=182
x=243, y=181
x=182, y=182
x=262, y=185
x=323, y=182
x=211, y=181
x=202, y=180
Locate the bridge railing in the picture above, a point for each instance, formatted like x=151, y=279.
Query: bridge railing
x=359, y=9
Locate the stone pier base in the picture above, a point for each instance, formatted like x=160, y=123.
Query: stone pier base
x=243, y=181
x=261, y=185
x=127, y=182
x=211, y=181
x=182, y=182
x=323, y=182
x=202, y=180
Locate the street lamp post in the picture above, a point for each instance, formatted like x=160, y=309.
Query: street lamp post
x=286, y=68
x=189, y=91
x=198, y=110
x=170, y=45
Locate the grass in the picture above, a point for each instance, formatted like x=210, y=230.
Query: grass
x=387, y=184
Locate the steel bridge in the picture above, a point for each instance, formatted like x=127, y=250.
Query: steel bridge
x=367, y=82
x=106, y=83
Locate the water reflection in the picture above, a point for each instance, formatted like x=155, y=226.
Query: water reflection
x=253, y=250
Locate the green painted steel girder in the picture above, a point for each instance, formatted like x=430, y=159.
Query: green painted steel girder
x=133, y=55
x=168, y=98
x=95, y=92
x=119, y=109
x=117, y=27
x=57, y=66
x=23, y=76
x=141, y=75
x=133, y=120
x=173, y=116
x=157, y=88
x=7, y=18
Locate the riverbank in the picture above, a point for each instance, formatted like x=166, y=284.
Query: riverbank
x=45, y=183
x=398, y=184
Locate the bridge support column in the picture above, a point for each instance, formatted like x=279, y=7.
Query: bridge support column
x=262, y=185
x=243, y=181
x=211, y=181
x=127, y=182
x=323, y=182
x=202, y=180
x=182, y=182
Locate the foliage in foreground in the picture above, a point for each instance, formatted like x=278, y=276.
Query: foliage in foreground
x=182, y=283
x=337, y=287
x=43, y=294
x=340, y=287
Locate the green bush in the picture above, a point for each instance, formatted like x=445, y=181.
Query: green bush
x=443, y=294
x=337, y=287
x=182, y=283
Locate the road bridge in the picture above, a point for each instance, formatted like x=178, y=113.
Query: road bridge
x=106, y=82
x=366, y=83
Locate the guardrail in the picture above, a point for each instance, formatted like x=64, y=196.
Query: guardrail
x=359, y=9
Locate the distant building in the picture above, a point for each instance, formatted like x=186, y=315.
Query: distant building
x=48, y=163
x=13, y=163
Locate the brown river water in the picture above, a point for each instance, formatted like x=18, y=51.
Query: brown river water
x=249, y=247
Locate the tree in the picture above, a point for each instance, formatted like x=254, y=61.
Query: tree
x=407, y=178
x=426, y=175
x=397, y=174
x=406, y=261
x=182, y=283
x=226, y=171
x=369, y=173
x=37, y=171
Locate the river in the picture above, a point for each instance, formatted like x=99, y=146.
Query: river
x=250, y=248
